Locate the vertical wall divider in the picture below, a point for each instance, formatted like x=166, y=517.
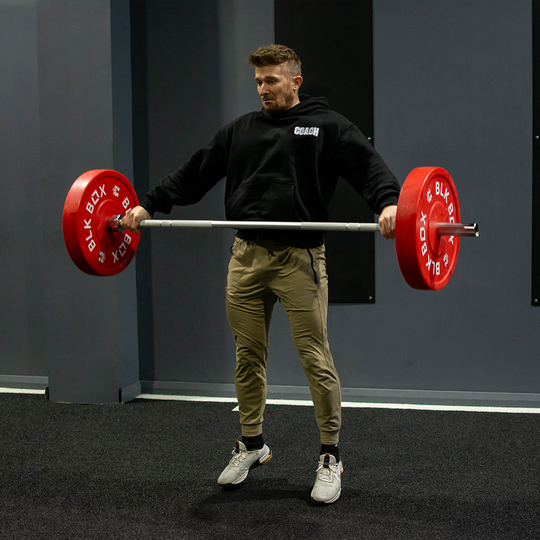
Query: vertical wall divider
x=535, y=274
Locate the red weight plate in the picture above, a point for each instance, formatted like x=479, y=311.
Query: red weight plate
x=91, y=244
x=426, y=259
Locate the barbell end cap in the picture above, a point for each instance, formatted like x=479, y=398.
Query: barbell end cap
x=469, y=229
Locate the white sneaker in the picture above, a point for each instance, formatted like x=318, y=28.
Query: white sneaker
x=242, y=462
x=327, y=488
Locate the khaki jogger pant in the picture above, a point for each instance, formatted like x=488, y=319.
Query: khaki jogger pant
x=259, y=274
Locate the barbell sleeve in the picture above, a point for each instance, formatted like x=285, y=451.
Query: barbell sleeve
x=457, y=229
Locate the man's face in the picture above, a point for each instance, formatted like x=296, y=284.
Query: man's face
x=277, y=88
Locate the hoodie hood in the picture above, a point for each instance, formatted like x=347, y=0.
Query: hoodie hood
x=308, y=104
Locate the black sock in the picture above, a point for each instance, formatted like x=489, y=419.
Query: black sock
x=331, y=449
x=253, y=443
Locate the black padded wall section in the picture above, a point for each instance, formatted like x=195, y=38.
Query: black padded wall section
x=335, y=43
x=536, y=157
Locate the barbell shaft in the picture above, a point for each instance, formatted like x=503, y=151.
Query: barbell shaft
x=268, y=225
x=443, y=229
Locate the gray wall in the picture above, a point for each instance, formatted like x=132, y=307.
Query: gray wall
x=452, y=89
x=60, y=326
x=198, y=79
x=22, y=305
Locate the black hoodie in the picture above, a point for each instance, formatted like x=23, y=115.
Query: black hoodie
x=281, y=167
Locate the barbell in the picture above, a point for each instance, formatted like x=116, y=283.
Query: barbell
x=428, y=225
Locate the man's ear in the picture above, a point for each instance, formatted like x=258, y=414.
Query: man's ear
x=297, y=81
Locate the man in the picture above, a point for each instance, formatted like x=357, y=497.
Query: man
x=281, y=164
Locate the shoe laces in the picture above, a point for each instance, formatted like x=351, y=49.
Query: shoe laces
x=326, y=471
x=238, y=456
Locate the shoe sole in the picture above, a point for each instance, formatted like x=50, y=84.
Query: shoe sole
x=265, y=459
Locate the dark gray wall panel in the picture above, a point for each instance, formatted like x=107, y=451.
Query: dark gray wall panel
x=453, y=89
x=22, y=305
x=187, y=266
x=90, y=322
x=197, y=54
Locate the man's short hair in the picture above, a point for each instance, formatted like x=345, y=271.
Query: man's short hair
x=274, y=55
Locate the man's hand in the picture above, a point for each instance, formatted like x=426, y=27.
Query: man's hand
x=131, y=220
x=387, y=221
